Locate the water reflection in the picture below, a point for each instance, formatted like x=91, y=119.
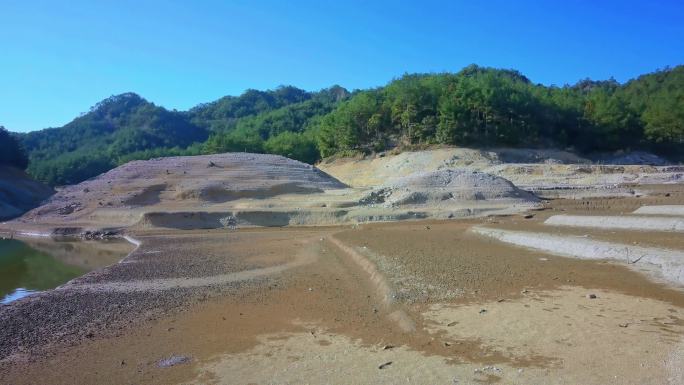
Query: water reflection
x=31, y=265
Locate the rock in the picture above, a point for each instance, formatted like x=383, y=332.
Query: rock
x=173, y=361
x=482, y=311
x=591, y=296
x=386, y=364
x=529, y=216
x=68, y=209
x=446, y=187
x=387, y=347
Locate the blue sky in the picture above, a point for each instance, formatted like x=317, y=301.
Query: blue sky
x=58, y=58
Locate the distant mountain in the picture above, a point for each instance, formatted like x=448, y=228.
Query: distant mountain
x=93, y=143
x=220, y=114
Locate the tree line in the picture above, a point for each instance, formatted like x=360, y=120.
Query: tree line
x=490, y=107
x=476, y=106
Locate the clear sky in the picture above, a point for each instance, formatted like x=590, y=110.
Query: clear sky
x=58, y=58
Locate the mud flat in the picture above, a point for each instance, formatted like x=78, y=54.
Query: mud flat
x=483, y=311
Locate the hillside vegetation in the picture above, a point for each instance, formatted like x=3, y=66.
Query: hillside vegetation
x=11, y=151
x=475, y=107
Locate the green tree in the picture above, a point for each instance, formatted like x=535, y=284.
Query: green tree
x=11, y=151
x=293, y=145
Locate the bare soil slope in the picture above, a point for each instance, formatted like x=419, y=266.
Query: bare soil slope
x=239, y=189
x=120, y=196
x=545, y=172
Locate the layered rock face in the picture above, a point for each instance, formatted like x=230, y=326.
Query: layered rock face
x=239, y=189
x=445, y=187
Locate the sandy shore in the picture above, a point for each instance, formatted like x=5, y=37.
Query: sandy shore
x=293, y=305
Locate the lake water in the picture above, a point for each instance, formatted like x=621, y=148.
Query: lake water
x=29, y=266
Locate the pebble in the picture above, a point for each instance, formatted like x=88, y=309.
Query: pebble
x=173, y=361
x=591, y=296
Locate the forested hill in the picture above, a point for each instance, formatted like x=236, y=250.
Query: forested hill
x=96, y=141
x=126, y=127
x=475, y=107
x=487, y=107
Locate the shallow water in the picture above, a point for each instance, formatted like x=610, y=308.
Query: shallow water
x=30, y=266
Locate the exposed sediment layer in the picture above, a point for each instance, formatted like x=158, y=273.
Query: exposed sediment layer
x=448, y=187
x=677, y=210
x=665, y=263
x=618, y=222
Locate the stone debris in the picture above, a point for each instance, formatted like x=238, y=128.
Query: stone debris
x=173, y=361
x=446, y=187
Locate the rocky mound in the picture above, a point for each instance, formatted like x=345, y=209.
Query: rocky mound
x=446, y=186
x=186, y=181
x=383, y=168
x=19, y=193
x=547, y=173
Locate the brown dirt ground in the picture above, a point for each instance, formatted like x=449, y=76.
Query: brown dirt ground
x=436, y=263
